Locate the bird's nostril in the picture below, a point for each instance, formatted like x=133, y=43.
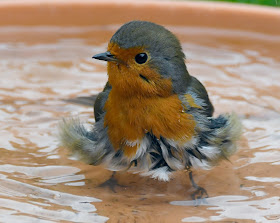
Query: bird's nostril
x=108, y=54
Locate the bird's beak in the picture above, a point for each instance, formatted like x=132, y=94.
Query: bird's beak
x=107, y=56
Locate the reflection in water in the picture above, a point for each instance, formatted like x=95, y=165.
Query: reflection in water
x=47, y=174
x=238, y=207
x=83, y=210
x=39, y=182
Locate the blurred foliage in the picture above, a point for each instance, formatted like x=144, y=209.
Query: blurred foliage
x=275, y=3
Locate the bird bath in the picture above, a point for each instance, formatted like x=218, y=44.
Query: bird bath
x=45, y=58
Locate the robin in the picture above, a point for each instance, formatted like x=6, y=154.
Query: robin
x=152, y=117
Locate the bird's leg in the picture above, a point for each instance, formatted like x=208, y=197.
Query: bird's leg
x=111, y=183
x=200, y=193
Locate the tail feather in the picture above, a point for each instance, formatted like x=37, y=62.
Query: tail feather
x=228, y=134
x=225, y=132
x=219, y=141
x=80, y=141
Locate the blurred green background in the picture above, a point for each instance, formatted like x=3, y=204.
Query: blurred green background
x=275, y=3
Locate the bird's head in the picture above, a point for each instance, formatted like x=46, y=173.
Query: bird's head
x=145, y=59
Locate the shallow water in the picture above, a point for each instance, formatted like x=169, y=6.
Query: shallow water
x=41, y=66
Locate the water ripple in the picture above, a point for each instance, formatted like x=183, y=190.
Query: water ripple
x=39, y=182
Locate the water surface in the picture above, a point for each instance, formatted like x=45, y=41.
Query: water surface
x=42, y=66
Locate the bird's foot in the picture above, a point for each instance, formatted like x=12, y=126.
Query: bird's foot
x=200, y=194
x=112, y=183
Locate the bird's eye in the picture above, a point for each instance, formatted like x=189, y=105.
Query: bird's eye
x=141, y=58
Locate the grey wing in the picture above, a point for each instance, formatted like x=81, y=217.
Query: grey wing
x=199, y=90
x=100, y=101
x=83, y=100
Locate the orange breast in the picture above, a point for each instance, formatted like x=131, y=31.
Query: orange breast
x=128, y=119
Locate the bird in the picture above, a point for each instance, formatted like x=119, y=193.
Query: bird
x=152, y=117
